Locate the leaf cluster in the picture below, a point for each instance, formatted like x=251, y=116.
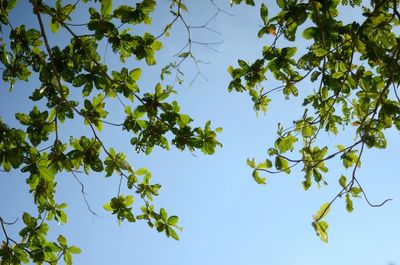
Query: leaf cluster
x=76, y=85
x=353, y=68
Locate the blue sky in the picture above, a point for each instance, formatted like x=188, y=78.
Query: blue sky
x=226, y=217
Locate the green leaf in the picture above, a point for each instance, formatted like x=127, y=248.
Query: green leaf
x=29, y=221
x=68, y=258
x=343, y=181
x=264, y=13
x=163, y=214
x=184, y=54
x=67, y=10
x=173, y=234
x=107, y=207
x=173, y=220
x=182, y=6
x=250, y=2
x=97, y=165
x=282, y=164
x=317, y=175
x=349, y=159
x=132, y=179
x=321, y=228
x=322, y=212
x=286, y=143
x=349, y=203
x=265, y=165
x=288, y=51
x=129, y=200
x=320, y=52
x=62, y=206
x=142, y=171
x=258, y=179
x=315, y=75
x=306, y=184
x=309, y=33
x=158, y=89
x=243, y=64
x=337, y=75
x=62, y=240
x=54, y=25
x=135, y=74
x=251, y=163
x=106, y=7
x=46, y=174
x=11, y=4
x=63, y=217
x=74, y=250
x=355, y=191
x=24, y=258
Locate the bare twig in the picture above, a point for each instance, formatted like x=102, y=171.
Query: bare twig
x=84, y=194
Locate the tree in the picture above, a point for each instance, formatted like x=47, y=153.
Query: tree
x=347, y=93
x=354, y=72
x=38, y=150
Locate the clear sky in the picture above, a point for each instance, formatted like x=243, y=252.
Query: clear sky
x=226, y=217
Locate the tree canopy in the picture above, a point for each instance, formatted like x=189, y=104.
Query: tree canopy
x=351, y=69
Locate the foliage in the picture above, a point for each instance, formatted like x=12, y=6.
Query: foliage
x=353, y=67
x=38, y=150
x=354, y=71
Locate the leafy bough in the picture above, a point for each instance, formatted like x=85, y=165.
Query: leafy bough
x=355, y=67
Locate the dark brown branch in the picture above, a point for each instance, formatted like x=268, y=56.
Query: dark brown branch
x=366, y=198
x=120, y=185
x=4, y=230
x=220, y=9
x=84, y=194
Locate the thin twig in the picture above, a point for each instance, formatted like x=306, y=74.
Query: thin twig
x=84, y=194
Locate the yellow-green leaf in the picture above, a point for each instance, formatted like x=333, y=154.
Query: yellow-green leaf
x=135, y=74
x=54, y=25
x=322, y=212
x=106, y=7
x=321, y=228
x=107, y=206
